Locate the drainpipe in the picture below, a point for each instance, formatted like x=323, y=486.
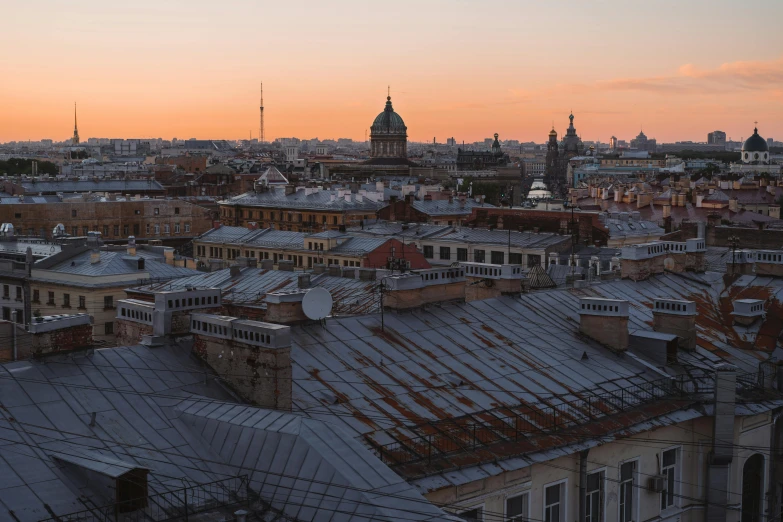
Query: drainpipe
x=13, y=327
x=583, y=485
x=774, y=468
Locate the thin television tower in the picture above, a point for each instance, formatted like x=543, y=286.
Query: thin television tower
x=261, y=116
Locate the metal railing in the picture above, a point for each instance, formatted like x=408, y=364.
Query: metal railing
x=443, y=438
x=178, y=504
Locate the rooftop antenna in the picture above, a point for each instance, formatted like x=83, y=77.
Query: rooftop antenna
x=261, y=116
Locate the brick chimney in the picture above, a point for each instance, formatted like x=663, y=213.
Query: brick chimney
x=303, y=281
x=769, y=263
x=748, y=311
x=678, y=318
x=131, y=245
x=740, y=262
x=605, y=321
x=421, y=287
x=252, y=356
x=285, y=307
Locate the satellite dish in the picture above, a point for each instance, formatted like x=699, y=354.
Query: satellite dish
x=317, y=304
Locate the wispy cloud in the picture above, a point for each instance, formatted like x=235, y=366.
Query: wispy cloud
x=689, y=79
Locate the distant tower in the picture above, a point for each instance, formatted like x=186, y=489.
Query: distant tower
x=261, y=138
x=75, y=139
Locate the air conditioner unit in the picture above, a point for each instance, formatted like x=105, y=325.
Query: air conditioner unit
x=656, y=483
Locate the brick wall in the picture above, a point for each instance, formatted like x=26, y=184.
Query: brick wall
x=260, y=376
x=57, y=341
x=129, y=333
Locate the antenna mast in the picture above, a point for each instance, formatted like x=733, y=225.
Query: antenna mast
x=261, y=116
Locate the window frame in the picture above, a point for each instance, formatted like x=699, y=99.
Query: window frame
x=634, y=490
x=562, y=501
x=480, y=507
x=601, y=495
x=524, y=517
x=675, y=471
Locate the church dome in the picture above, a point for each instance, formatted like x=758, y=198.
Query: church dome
x=388, y=122
x=755, y=143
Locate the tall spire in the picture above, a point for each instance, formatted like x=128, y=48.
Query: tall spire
x=75, y=139
x=261, y=138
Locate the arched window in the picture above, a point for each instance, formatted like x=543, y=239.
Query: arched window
x=752, y=488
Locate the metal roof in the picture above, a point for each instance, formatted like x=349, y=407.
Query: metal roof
x=106, y=185
x=118, y=263
x=321, y=200
x=250, y=287
x=155, y=410
x=446, y=208
x=467, y=359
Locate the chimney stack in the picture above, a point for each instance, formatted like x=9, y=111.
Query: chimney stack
x=285, y=265
x=678, y=318
x=131, y=245
x=747, y=311
x=605, y=321
x=95, y=257
x=303, y=281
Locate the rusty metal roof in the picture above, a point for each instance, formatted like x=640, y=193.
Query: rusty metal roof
x=476, y=359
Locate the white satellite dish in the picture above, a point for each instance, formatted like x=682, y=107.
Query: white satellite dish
x=317, y=304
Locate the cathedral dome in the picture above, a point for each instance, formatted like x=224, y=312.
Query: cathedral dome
x=388, y=122
x=755, y=143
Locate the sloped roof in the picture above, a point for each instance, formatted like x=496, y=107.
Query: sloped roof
x=272, y=176
x=716, y=197
x=444, y=208
x=322, y=199
x=466, y=359
x=119, y=263
x=539, y=278
x=155, y=412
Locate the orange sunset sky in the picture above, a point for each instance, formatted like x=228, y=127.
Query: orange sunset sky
x=458, y=68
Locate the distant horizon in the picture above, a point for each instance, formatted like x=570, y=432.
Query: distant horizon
x=456, y=69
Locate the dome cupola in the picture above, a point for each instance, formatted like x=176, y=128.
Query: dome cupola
x=755, y=149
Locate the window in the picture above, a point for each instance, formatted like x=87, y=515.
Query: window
x=166, y=228
x=108, y=328
x=553, y=503
x=148, y=228
x=126, y=230
x=137, y=212
x=82, y=302
x=108, y=302
x=176, y=228
x=18, y=293
x=428, y=251
x=478, y=256
x=627, y=491
x=334, y=220
x=445, y=252
x=156, y=211
x=473, y=515
x=157, y=230
x=594, y=502
x=462, y=254
x=517, y=508
x=498, y=258
x=74, y=230
x=51, y=298
x=85, y=230
x=515, y=259
x=73, y=213
x=66, y=300
x=106, y=230
x=669, y=472
x=18, y=215
x=6, y=292
x=187, y=227
x=176, y=210
x=36, y=296
x=116, y=230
